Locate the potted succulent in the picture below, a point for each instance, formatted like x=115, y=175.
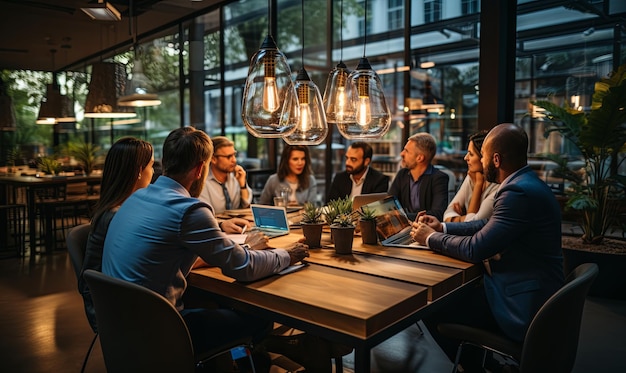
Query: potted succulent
x=13, y=154
x=600, y=136
x=342, y=230
x=49, y=165
x=335, y=208
x=367, y=225
x=312, y=224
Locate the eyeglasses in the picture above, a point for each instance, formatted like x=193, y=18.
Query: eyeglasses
x=229, y=156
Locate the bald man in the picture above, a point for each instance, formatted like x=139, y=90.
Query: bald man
x=520, y=244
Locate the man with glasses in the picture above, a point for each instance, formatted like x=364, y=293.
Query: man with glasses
x=225, y=187
x=419, y=186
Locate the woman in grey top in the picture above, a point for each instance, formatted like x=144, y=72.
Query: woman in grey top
x=294, y=175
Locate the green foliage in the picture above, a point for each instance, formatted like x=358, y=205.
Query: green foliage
x=366, y=213
x=337, y=207
x=84, y=153
x=343, y=220
x=311, y=214
x=13, y=154
x=600, y=136
x=49, y=165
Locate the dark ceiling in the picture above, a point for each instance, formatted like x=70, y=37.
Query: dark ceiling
x=31, y=29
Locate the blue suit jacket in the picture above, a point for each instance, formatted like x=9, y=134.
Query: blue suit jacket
x=525, y=229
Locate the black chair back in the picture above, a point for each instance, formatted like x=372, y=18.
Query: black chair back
x=551, y=341
x=140, y=331
x=76, y=246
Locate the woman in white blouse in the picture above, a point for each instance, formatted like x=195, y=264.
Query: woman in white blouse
x=474, y=200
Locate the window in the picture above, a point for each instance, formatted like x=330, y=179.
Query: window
x=395, y=14
x=432, y=10
x=470, y=6
x=362, y=24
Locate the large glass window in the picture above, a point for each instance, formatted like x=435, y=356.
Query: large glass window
x=432, y=10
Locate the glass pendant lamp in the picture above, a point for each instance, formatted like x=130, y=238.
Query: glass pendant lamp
x=304, y=108
x=267, y=86
x=371, y=117
x=336, y=94
x=305, y=112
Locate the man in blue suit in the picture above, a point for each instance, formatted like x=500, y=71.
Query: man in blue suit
x=520, y=245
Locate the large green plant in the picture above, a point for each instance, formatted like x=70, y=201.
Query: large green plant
x=600, y=136
x=85, y=154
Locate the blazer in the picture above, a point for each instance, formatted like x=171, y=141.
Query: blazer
x=433, y=192
x=375, y=182
x=525, y=229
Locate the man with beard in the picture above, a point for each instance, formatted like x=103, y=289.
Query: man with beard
x=520, y=244
x=225, y=187
x=359, y=177
x=419, y=186
x=157, y=235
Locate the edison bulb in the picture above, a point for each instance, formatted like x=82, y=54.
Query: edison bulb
x=363, y=111
x=341, y=103
x=270, y=95
x=305, y=118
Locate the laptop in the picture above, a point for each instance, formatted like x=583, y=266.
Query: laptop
x=271, y=220
x=364, y=199
x=392, y=225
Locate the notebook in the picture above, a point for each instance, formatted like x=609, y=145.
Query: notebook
x=392, y=225
x=271, y=220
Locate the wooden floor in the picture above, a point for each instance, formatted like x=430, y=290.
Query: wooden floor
x=43, y=327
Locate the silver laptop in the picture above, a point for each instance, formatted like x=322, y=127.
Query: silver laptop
x=392, y=225
x=271, y=220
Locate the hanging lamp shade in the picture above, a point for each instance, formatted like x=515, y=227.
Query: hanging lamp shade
x=7, y=110
x=267, y=85
x=336, y=95
x=137, y=89
x=304, y=111
x=107, y=85
x=55, y=107
x=369, y=114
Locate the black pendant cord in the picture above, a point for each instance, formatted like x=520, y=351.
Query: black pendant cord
x=302, y=18
x=341, y=30
x=365, y=30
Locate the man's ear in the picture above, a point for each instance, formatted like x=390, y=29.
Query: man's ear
x=367, y=161
x=497, y=161
x=198, y=169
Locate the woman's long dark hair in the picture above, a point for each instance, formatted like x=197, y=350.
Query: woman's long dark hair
x=123, y=164
x=283, y=166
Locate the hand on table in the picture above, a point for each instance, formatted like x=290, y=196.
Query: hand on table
x=257, y=240
x=235, y=225
x=298, y=252
x=423, y=227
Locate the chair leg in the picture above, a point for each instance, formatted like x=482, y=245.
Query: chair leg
x=458, y=358
x=93, y=342
x=338, y=364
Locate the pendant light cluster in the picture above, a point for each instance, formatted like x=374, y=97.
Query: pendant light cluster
x=274, y=106
x=356, y=102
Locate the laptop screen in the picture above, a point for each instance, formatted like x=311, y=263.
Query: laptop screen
x=270, y=217
x=390, y=217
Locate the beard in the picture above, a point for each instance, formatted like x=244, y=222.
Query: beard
x=354, y=171
x=491, y=173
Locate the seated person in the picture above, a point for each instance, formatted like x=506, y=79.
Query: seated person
x=419, y=186
x=294, y=174
x=359, y=177
x=225, y=187
x=474, y=200
x=159, y=232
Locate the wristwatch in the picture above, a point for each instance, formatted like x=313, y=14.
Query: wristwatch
x=246, y=246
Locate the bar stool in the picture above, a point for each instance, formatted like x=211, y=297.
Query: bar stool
x=16, y=227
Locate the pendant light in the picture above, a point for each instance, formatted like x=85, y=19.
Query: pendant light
x=336, y=94
x=267, y=85
x=138, y=87
x=108, y=80
x=55, y=107
x=304, y=108
x=366, y=97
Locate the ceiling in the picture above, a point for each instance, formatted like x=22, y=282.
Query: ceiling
x=32, y=29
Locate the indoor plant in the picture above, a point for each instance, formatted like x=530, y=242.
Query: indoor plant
x=367, y=225
x=312, y=224
x=600, y=136
x=342, y=230
x=84, y=153
x=49, y=165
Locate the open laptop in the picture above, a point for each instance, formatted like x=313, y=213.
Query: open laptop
x=392, y=225
x=271, y=220
x=364, y=199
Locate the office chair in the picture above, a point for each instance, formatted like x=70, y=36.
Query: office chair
x=551, y=340
x=140, y=330
x=76, y=242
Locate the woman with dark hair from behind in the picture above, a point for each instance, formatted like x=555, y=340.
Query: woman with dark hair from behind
x=294, y=174
x=128, y=166
x=474, y=199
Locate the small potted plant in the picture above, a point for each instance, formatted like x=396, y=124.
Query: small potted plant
x=336, y=207
x=49, y=165
x=85, y=154
x=367, y=224
x=312, y=224
x=342, y=230
x=13, y=154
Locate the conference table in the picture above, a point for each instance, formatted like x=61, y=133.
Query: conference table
x=32, y=184
x=359, y=300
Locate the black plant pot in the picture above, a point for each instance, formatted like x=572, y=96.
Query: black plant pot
x=368, y=232
x=611, y=282
x=343, y=237
x=312, y=234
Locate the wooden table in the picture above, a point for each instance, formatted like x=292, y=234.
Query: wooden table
x=359, y=300
x=31, y=185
